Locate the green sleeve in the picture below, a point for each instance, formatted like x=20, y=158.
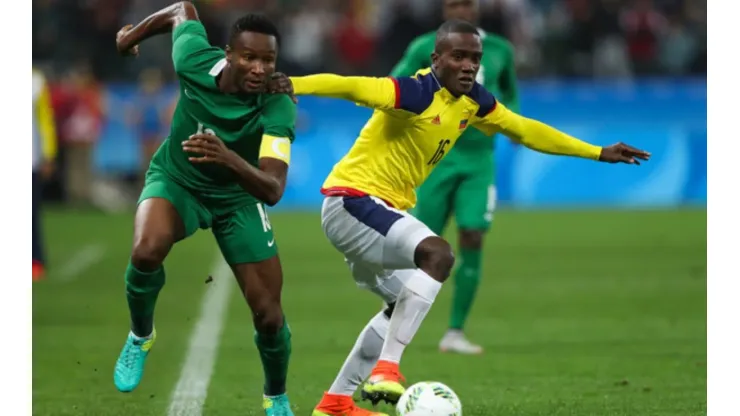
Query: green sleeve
x=278, y=116
x=416, y=57
x=189, y=43
x=508, y=84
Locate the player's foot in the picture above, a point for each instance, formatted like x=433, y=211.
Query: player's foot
x=130, y=364
x=384, y=384
x=455, y=341
x=339, y=405
x=277, y=405
x=38, y=271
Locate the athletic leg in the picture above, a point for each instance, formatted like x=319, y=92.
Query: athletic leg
x=261, y=284
x=247, y=243
x=434, y=259
x=166, y=214
x=369, y=232
x=365, y=353
x=157, y=226
x=474, y=205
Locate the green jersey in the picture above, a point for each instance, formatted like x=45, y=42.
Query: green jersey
x=240, y=120
x=497, y=73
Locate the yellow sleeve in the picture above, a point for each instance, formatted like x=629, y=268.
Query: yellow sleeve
x=534, y=134
x=46, y=124
x=380, y=93
x=276, y=148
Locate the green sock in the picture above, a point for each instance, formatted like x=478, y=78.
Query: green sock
x=275, y=354
x=467, y=278
x=142, y=290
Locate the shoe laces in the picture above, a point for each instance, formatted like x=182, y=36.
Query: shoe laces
x=132, y=352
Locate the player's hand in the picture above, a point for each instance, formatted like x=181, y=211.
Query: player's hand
x=121, y=45
x=279, y=83
x=210, y=150
x=622, y=153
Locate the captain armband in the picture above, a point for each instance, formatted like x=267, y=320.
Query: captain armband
x=276, y=148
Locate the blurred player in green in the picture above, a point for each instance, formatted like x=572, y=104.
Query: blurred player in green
x=463, y=183
x=226, y=156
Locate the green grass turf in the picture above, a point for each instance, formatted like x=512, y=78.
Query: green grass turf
x=581, y=313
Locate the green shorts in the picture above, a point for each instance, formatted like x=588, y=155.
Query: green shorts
x=243, y=235
x=463, y=186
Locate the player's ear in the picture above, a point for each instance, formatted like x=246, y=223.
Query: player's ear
x=435, y=58
x=228, y=53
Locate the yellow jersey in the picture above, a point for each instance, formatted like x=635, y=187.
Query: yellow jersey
x=44, y=131
x=415, y=123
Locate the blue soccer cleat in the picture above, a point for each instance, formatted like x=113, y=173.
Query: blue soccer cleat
x=277, y=405
x=130, y=364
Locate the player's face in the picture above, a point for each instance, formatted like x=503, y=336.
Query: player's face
x=253, y=56
x=461, y=9
x=458, y=62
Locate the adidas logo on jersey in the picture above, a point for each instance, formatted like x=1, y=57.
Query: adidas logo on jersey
x=436, y=120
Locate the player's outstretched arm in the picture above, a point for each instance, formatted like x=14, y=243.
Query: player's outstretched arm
x=545, y=139
x=163, y=21
x=372, y=92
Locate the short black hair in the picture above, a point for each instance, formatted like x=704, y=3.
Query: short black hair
x=455, y=26
x=257, y=23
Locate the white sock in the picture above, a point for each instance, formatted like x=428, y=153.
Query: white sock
x=146, y=337
x=362, y=358
x=411, y=308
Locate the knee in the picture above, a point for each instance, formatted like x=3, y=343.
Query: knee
x=471, y=239
x=149, y=252
x=434, y=255
x=267, y=316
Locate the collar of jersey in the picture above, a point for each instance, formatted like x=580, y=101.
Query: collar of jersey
x=444, y=92
x=218, y=67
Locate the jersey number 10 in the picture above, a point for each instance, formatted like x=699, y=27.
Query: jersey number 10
x=440, y=152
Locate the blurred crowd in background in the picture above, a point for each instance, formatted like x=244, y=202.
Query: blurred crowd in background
x=74, y=46
x=599, y=38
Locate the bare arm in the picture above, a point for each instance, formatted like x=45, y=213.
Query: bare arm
x=163, y=21
x=266, y=183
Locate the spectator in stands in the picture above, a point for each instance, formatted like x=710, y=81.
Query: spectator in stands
x=44, y=153
x=643, y=25
x=84, y=115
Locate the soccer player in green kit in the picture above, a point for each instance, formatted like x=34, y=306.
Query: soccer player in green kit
x=463, y=182
x=227, y=154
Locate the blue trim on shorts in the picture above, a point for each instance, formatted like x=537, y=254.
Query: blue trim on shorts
x=371, y=213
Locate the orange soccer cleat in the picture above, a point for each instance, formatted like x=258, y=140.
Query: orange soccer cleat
x=339, y=405
x=384, y=384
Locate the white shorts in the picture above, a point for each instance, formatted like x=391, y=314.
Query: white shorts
x=378, y=242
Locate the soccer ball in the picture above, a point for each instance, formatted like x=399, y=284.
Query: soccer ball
x=429, y=398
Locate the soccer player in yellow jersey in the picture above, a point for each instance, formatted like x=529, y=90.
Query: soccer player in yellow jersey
x=415, y=123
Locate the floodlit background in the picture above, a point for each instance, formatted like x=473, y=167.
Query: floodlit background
x=593, y=298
